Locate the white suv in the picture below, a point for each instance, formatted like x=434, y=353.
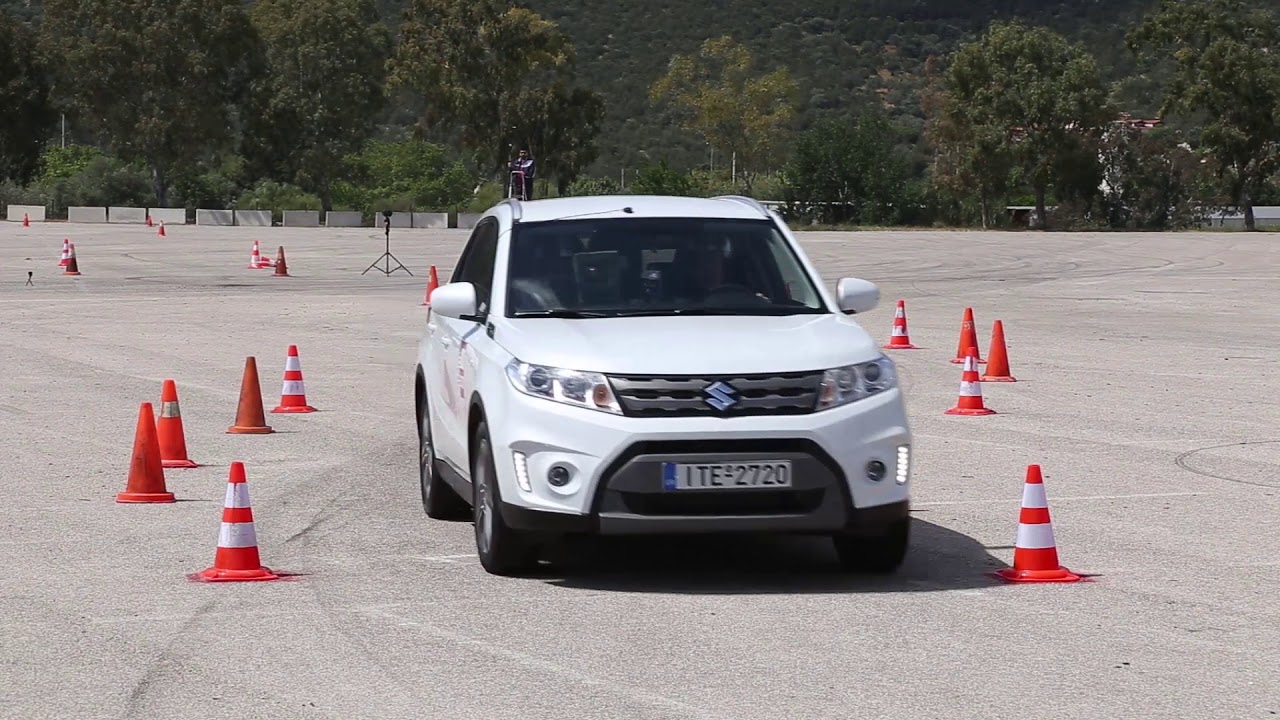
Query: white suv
x=639, y=364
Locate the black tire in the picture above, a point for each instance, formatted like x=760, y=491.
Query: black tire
x=439, y=501
x=502, y=550
x=880, y=555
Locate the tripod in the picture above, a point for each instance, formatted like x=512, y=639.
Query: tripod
x=386, y=224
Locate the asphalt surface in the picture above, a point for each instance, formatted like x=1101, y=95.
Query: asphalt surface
x=1147, y=389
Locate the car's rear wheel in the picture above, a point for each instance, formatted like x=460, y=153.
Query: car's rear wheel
x=502, y=550
x=881, y=554
x=439, y=500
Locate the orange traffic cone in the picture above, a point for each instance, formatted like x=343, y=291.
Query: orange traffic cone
x=161, y=232
x=433, y=282
x=998, y=367
x=900, y=339
x=250, y=419
x=293, y=396
x=173, y=440
x=255, y=259
x=970, y=400
x=146, y=474
x=73, y=267
x=282, y=269
x=1035, y=553
x=149, y=223
x=237, y=555
x=66, y=252
x=968, y=339
x=26, y=220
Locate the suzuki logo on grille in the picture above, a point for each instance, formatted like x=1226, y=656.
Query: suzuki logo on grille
x=720, y=395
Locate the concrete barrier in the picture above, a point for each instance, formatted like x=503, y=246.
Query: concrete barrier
x=302, y=218
x=253, y=218
x=168, y=216
x=129, y=215
x=215, y=217
x=86, y=214
x=431, y=220
x=466, y=221
x=398, y=219
x=343, y=218
x=35, y=213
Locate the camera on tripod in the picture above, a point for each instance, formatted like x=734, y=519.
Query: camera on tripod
x=387, y=256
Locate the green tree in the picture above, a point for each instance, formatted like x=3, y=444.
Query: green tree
x=1031, y=91
x=323, y=93
x=853, y=167
x=28, y=115
x=159, y=82
x=1151, y=181
x=409, y=175
x=559, y=125
x=1226, y=67
x=659, y=179
x=735, y=111
x=475, y=62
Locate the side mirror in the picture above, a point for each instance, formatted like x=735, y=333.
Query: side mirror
x=455, y=300
x=856, y=295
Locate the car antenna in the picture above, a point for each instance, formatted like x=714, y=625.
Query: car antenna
x=626, y=210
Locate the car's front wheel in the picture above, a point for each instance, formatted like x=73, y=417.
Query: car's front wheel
x=881, y=554
x=439, y=500
x=502, y=550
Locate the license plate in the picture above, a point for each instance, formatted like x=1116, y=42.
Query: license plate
x=726, y=476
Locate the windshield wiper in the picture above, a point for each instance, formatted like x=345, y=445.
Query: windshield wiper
x=564, y=313
x=706, y=311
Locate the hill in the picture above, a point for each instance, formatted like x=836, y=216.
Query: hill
x=846, y=54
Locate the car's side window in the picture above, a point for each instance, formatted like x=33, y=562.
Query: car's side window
x=477, y=263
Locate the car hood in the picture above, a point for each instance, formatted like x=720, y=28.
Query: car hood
x=689, y=345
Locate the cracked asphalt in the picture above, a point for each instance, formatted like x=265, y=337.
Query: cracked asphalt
x=1147, y=390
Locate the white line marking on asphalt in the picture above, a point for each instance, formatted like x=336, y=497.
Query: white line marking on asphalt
x=1058, y=499
x=577, y=674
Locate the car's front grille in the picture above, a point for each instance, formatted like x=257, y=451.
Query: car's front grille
x=719, y=396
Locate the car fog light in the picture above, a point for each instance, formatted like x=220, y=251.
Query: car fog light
x=876, y=470
x=558, y=475
x=522, y=471
x=904, y=464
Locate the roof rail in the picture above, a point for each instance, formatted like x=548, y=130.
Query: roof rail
x=744, y=200
x=515, y=208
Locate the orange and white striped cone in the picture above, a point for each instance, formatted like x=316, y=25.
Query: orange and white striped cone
x=970, y=399
x=1035, y=553
x=66, y=252
x=255, y=258
x=237, y=555
x=161, y=232
x=900, y=339
x=293, y=395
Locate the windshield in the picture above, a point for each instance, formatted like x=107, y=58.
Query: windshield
x=629, y=267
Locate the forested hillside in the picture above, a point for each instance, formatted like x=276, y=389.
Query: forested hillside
x=844, y=53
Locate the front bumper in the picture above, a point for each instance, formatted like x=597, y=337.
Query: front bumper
x=615, y=463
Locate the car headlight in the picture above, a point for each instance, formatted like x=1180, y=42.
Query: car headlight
x=843, y=385
x=571, y=387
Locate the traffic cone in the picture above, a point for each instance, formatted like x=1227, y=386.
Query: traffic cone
x=1035, y=554
x=146, y=473
x=66, y=252
x=900, y=339
x=160, y=232
x=236, y=558
x=173, y=440
x=255, y=259
x=250, y=420
x=968, y=339
x=73, y=267
x=970, y=400
x=282, y=268
x=998, y=356
x=149, y=223
x=433, y=282
x=26, y=220
x=293, y=396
